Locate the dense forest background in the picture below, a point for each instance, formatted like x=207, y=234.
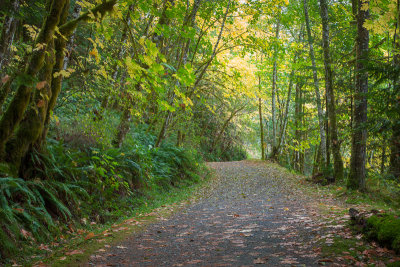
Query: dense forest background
x=107, y=104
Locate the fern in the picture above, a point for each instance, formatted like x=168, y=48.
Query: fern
x=32, y=205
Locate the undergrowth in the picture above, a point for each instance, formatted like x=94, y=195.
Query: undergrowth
x=77, y=184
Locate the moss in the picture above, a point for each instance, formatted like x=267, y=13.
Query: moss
x=385, y=229
x=18, y=105
x=389, y=230
x=373, y=227
x=68, y=28
x=339, y=245
x=396, y=244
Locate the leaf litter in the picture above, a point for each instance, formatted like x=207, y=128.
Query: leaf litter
x=276, y=224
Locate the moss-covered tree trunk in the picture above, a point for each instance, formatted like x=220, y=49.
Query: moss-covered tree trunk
x=31, y=126
x=123, y=127
x=66, y=29
x=16, y=110
x=4, y=91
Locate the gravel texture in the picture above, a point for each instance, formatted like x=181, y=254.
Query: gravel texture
x=250, y=214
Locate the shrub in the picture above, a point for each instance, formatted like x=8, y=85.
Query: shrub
x=92, y=182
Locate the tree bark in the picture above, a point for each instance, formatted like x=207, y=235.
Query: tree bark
x=316, y=87
x=394, y=167
x=4, y=91
x=70, y=44
x=274, y=78
x=32, y=125
x=338, y=162
x=359, y=137
x=123, y=128
x=15, y=111
x=67, y=29
x=276, y=149
x=8, y=34
x=298, y=124
x=383, y=158
x=261, y=120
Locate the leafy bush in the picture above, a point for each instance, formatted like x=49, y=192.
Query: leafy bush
x=88, y=182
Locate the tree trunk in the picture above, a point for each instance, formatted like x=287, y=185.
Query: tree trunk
x=4, y=91
x=395, y=148
x=297, y=123
x=383, y=157
x=31, y=126
x=204, y=69
x=274, y=78
x=164, y=20
x=261, y=120
x=276, y=149
x=219, y=135
x=359, y=137
x=317, y=160
x=15, y=111
x=338, y=162
x=8, y=34
x=395, y=138
x=316, y=86
x=70, y=45
x=189, y=22
x=66, y=29
x=123, y=128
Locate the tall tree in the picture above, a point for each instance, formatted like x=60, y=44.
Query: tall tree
x=321, y=119
x=261, y=120
x=8, y=33
x=274, y=80
x=395, y=138
x=331, y=106
x=357, y=174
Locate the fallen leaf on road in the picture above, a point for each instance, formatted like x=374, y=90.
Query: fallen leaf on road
x=5, y=79
x=325, y=260
x=74, y=252
x=90, y=235
x=25, y=233
x=44, y=247
x=260, y=261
